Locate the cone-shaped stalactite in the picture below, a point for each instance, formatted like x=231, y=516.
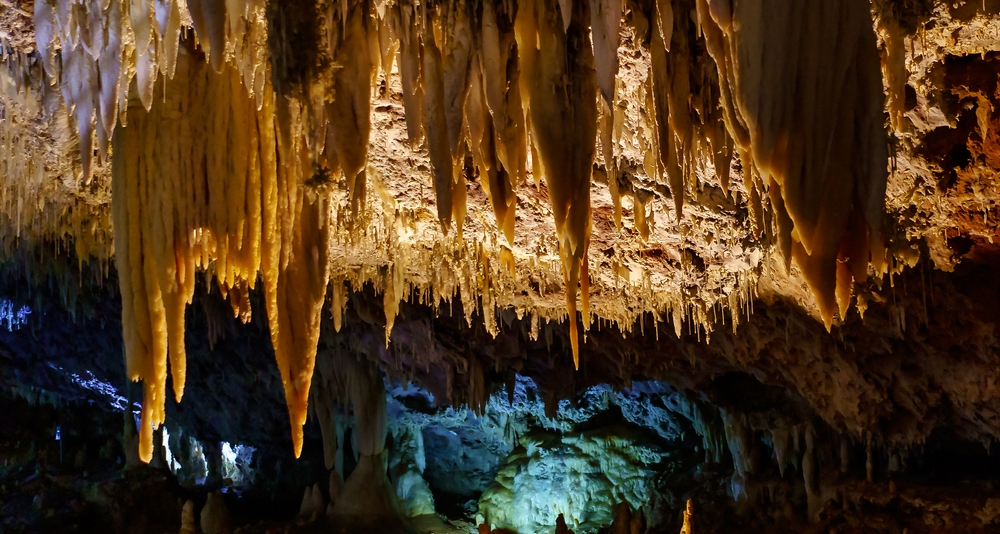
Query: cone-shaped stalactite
x=802, y=96
x=558, y=76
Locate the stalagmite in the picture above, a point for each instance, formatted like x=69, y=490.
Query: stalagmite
x=215, y=515
x=562, y=92
x=810, y=117
x=688, y=526
x=869, y=465
x=367, y=499
x=313, y=505
x=187, y=518
x=561, y=527
x=622, y=523
x=336, y=484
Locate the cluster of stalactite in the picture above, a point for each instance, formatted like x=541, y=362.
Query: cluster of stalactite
x=207, y=180
x=226, y=163
x=97, y=52
x=801, y=90
x=37, y=156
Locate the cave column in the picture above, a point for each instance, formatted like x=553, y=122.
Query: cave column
x=367, y=500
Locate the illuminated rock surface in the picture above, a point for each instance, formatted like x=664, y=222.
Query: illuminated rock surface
x=549, y=265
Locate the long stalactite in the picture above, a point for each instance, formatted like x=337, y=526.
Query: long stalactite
x=803, y=99
x=206, y=180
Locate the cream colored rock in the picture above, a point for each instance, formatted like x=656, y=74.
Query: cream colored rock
x=187, y=518
x=313, y=505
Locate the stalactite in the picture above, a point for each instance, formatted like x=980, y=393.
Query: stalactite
x=501, y=82
x=349, y=107
x=560, y=79
x=295, y=268
x=605, y=128
x=218, y=188
x=456, y=51
x=688, y=132
x=606, y=20
x=436, y=123
x=409, y=69
x=504, y=142
x=816, y=130
x=496, y=181
x=300, y=53
x=893, y=51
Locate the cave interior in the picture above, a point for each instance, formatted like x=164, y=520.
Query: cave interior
x=499, y=266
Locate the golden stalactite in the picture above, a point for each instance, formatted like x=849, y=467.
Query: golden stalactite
x=497, y=183
x=201, y=180
x=455, y=29
x=295, y=271
x=96, y=50
x=496, y=98
x=808, y=118
x=560, y=82
x=409, y=36
x=447, y=49
x=435, y=120
x=689, y=130
x=606, y=21
x=43, y=202
x=348, y=109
